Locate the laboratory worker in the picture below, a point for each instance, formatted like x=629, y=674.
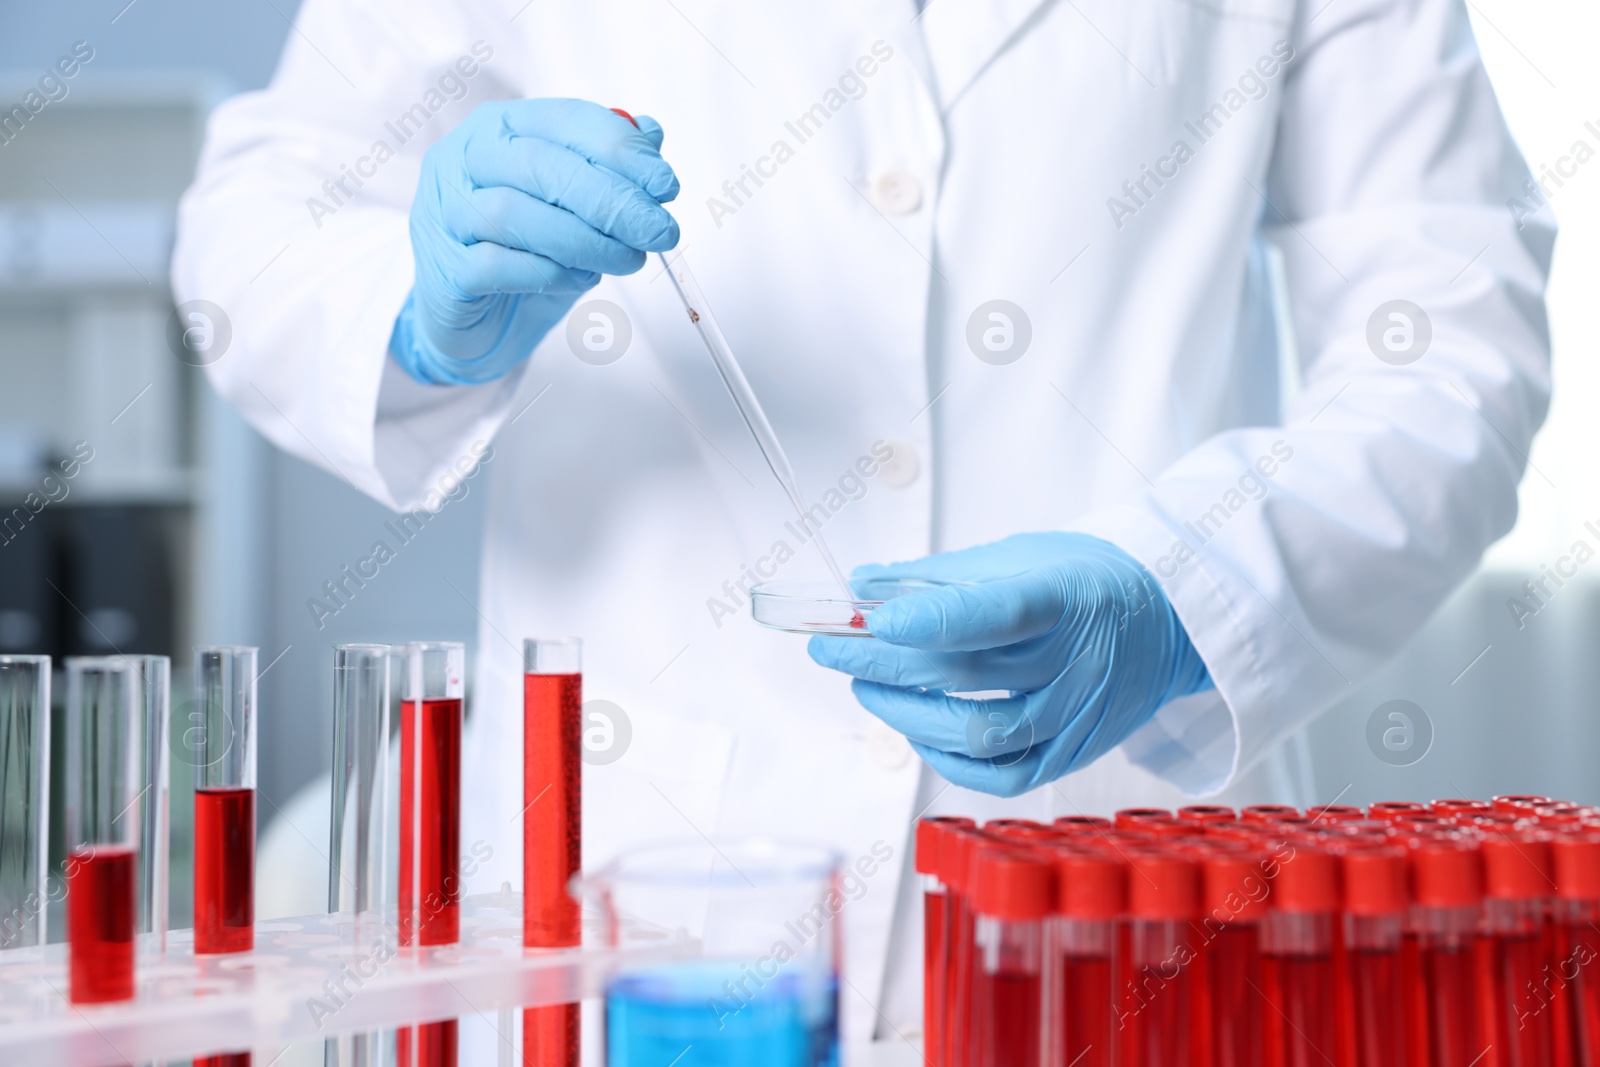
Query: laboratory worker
x=1191, y=345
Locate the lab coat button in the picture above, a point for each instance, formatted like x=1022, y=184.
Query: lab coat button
x=901, y=468
x=897, y=192
x=888, y=750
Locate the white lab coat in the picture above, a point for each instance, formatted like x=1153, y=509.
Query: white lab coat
x=983, y=158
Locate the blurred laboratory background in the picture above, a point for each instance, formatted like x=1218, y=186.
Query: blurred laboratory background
x=179, y=524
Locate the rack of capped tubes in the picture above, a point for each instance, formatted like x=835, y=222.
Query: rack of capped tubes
x=1456, y=933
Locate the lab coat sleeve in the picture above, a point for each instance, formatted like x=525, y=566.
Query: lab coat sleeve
x=1385, y=483
x=296, y=227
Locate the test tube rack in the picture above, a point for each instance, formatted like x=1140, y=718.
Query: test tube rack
x=309, y=978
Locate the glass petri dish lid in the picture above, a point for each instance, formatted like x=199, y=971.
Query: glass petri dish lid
x=819, y=607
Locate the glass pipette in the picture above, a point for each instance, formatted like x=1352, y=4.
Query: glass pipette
x=744, y=398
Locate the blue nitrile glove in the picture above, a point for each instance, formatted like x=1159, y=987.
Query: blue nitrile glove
x=519, y=211
x=1073, y=627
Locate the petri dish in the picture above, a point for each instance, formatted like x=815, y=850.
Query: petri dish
x=819, y=607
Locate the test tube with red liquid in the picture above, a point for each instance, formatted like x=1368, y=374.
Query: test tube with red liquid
x=1447, y=887
x=24, y=799
x=1156, y=1002
x=1011, y=898
x=1375, y=903
x=357, y=844
x=1234, y=893
x=104, y=750
x=1297, y=958
x=935, y=943
x=430, y=824
x=225, y=799
x=957, y=851
x=1518, y=884
x=1576, y=959
x=1091, y=894
x=552, y=828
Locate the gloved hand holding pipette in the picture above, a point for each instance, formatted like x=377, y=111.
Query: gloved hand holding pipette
x=1077, y=631
x=519, y=211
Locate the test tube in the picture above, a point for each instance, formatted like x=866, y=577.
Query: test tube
x=1576, y=957
x=1012, y=895
x=1091, y=894
x=104, y=753
x=1447, y=887
x=153, y=679
x=430, y=825
x=1207, y=814
x=956, y=853
x=1375, y=901
x=357, y=844
x=1518, y=882
x=935, y=945
x=24, y=799
x=225, y=799
x=1268, y=813
x=1155, y=1008
x=1234, y=893
x=1297, y=958
x=552, y=828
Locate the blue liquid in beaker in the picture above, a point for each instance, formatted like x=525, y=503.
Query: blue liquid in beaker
x=684, y=1014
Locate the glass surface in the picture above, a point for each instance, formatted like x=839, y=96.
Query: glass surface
x=818, y=607
x=24, y=798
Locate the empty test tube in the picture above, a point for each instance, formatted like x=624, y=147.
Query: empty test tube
x=225, y=799
x=153, y=681
x=24, y=799
x=1011, y=898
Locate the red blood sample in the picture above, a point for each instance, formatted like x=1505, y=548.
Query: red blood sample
x=858, y=621
x=936, y=911
x=1518, y=879
x=1091, y=892
x=1576, y=961
x=1298, y=960
x=428, y=1045
x=430, y=853
x=1155, y=1004
x=1447, y=879
x=226, y=1059
x=224, y=869
x=550, y=1036
x=1373, y=1009
x=1234, y=893
x=1086, y=1012
x=100, y=908
x=552, y=792
x=955, y=855
x=1012, y=894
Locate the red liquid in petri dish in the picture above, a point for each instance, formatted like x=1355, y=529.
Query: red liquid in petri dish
x=100, y=907
x=1009, y=1026
x=550, y=1036
x=1378, y=1008
x=1086, y=1016
x=224, y=870
x=858, y=621
x=226, y=1059
x=430, y=883
x=428, y=1045
x=552, y=822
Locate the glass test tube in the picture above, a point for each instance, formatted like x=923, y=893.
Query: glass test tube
x=430, y=824
x=153, y=678
x=552, y=828
x=104, y=753
x=956, y=854
x=1577, y=949
x=1155, y=1006
x=1375, y=901
x=1091, y=892
x=1012, y=896
x=1234, y=893
x=1518, y=882
x=357, y=844
x=1447, y=883
x=935, y=946
x=225, y=799
x=24, y=799
x=1297, y=959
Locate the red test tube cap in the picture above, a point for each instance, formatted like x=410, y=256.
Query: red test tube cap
x=1576, y=858
x=1517, y=866
x=1375, y=881
x=1077, y=824
x=1326, y=814
x=1520, y=803
x=956, y=848
x=1454, y=807
x=1011, y=884
x=1090, y=885
x=1446, y=873
x=1390, y=810
x=1233, y=886
x=1269, y=813
x=929, y=833
x=1207, y=814
x=1307, y=882
x=1163, y=885
x=1131, y=817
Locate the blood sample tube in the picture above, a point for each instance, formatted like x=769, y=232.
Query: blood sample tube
x=1155, y=1005
x=998, y=825
x=1325, y=816
x=357, y=844
x=1234, y=894
x=935, y=943
x=1390, y=810
x=1373, y=1002
x=1576, y=960
x=552, y=828
x=1011, y=898
x=1297, y=947
x=1518, y=885
x=153, y=682
x=1269, y=813
x=1523, y=804
x=1447, y=889
x=1083, y=824
x=1134, y=817
x=430, y=825
x=1091, y=895
x=24, y=798
x=1460, y=808
x=104, y=752
x=956, y=852
x=1207, y=814
x=225, y=799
